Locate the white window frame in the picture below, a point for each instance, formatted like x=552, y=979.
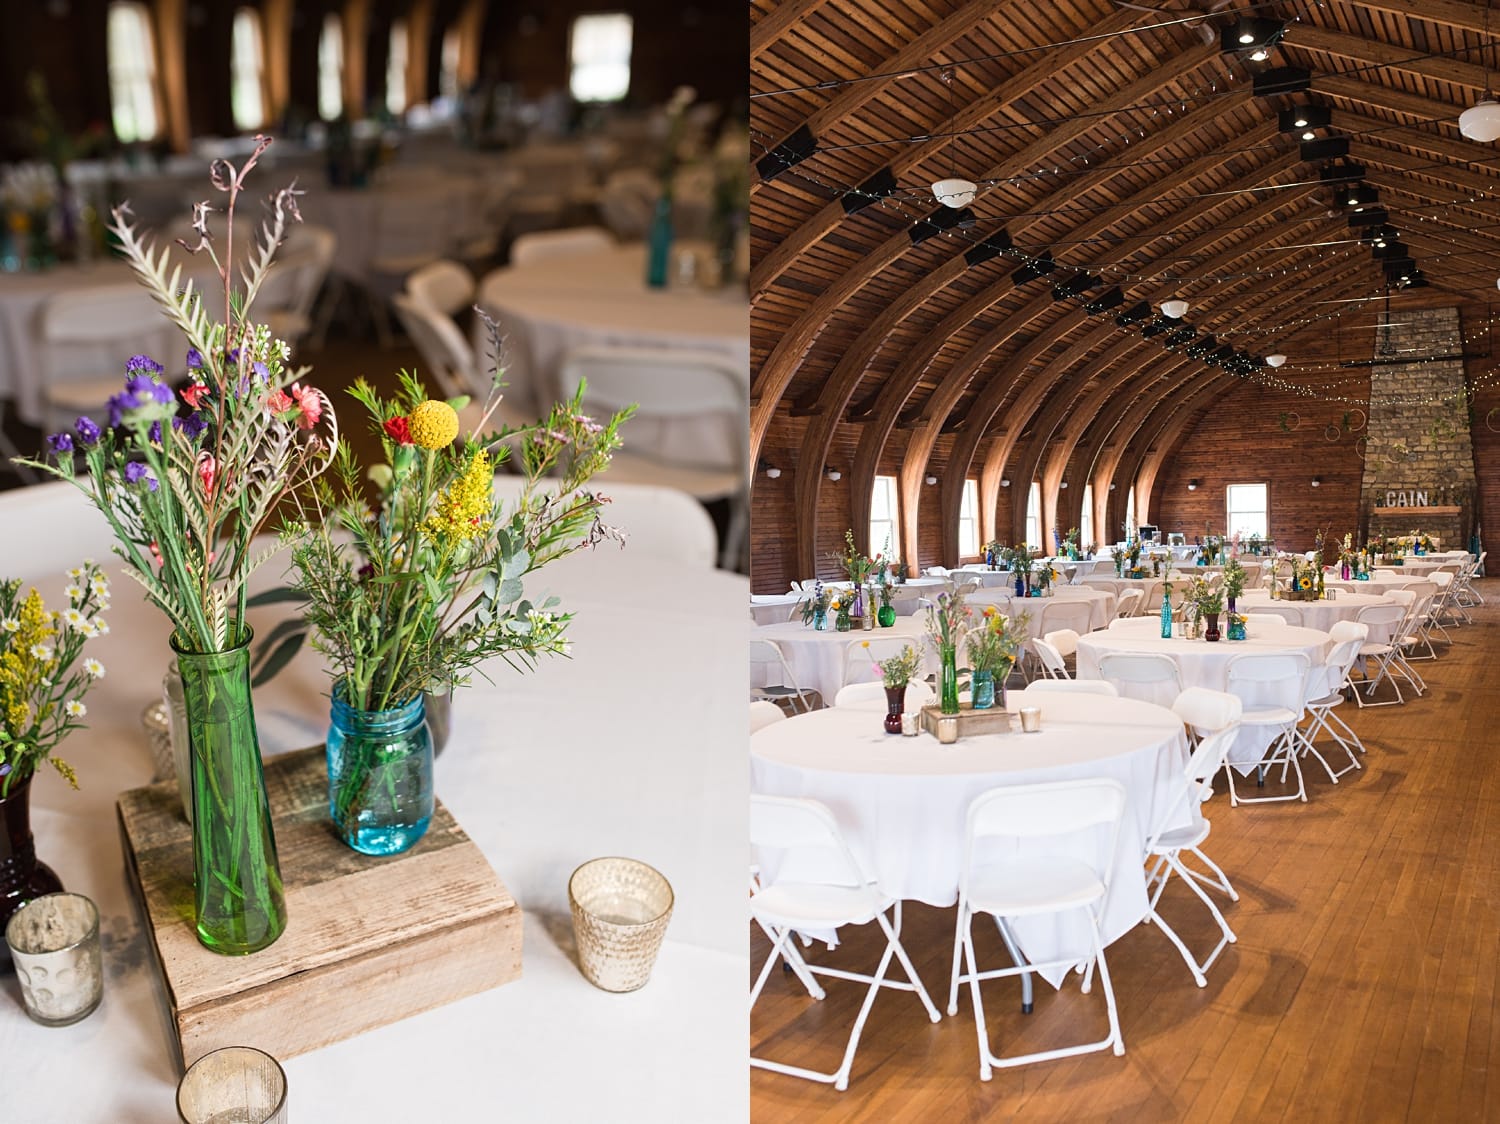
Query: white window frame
x=396, y=60
x=1034, y=516
x=968, y=520
x=1232, y=513
x=600, y=45
x=1086, y=518
x=132, y=72
x=247, y=68
x=885, y=518
x=331, y=68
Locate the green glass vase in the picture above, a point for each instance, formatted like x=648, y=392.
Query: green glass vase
x=236, y=877
x=948, y=679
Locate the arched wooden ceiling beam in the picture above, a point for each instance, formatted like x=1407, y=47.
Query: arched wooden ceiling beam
x=780, y=365
x=1336, y=43
x=1045, y=69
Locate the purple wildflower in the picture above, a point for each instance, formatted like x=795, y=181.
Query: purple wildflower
x=135, y=472
x=194, y=359
x=154, y=433
x=191, y=427
x=262, y=370
x=60, y=443
x=88, y=432
x=142, y=363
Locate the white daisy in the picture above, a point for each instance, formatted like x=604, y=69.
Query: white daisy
x=75, y=708
x=102, y=626
x=73, y=618
x=88, y=629
x=94, y=668
x=101, y=587
x=10, y=624
x=76, y=572
x=41, y=652
x=75, y=593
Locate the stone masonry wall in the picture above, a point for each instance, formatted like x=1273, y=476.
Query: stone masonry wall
x=1419, y=438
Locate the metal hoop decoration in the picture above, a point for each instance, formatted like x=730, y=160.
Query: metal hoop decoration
x=1362, y=445
x=1331, y=432
x=1489, y=419
x=1356, y=428
x=1293, y=420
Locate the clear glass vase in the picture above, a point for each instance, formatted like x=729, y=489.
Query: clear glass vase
x=379, y=775
x=948, y=678
x=236, y=875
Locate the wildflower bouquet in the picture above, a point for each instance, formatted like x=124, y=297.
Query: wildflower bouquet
x=1205, y=597
x=856, y=566
x=1234, y=579
x=948, y=620
x=42, y=682
x=437, y=584
x=817, y=603
x=901, y=669
x=1070, y=544
x=996, y=643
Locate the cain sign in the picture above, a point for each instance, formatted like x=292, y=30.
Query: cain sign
x=1414, y=498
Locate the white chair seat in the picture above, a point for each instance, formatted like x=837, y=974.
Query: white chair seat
x=1040, y=885
x=1180, y=838
x=1269, y=716
x=797, y=905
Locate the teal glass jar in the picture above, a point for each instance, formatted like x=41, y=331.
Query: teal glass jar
x=380, y=793
x=982, y=689
x=659, y=243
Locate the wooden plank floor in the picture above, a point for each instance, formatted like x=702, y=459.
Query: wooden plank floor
x=1362, y=987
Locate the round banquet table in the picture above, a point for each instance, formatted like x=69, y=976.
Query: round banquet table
x=1383, y=581
x=817, y=657
x=1201, y=664
x=901, y=802
x=1101, y=603
x=542, y=777
x=1414, y=565
x=1320, y=615
x=600, y=299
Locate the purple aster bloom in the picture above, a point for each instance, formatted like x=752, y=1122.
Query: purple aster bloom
x=194, y=359
x=262, y=370
x=135, y=472
x=191, y=427
x=60, y=443
x=142, y=363
x=154, y=433
x=88, y=432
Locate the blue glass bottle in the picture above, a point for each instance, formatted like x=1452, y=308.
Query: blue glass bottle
x=659, y=244
x=1166, y=613
x=1020, y=585
x=379, y=775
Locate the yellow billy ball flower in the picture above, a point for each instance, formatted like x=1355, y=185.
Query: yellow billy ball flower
x=434, y=425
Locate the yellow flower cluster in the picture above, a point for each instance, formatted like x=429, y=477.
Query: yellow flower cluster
x=462, y=510
x=434, y=425
x=28, y=658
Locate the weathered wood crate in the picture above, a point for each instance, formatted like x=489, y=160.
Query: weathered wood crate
x=369, y=941
x=971, y=722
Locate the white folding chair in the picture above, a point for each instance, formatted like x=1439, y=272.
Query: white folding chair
x=763, y=713
x=768, y=661
x=414, y=223
x=871, y=696
x=545, y=245
x=1075, y=686
x=291, y=288
x=1273, y=688
x=1053, y=879
x=674, y=386
x=1129, y=603
x=53, y=527
x=1148, y=676
x=1166, y=847
x=1050, y=660
x=444, y=286
x=859, y=659
x=1206, y=711
x=1383, y=625
x=1057, y=615
x=657, y=522
x=1325, y=692
x=1290, y=614
x=843, y=895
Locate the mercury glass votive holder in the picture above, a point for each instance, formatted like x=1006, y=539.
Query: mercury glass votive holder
x=54, y=941
x=233, y=1085
x=621, y=908
x=1031, y=720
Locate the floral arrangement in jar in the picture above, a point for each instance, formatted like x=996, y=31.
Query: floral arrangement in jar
x=1207, y=600
x=43, y=681
x=814, y=609
x=992, y=649
x=435, y=584
x=947, y=622
x=895, y=673
x=1070, y=544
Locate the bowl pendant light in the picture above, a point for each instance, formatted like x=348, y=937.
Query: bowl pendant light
x=1481, y=121
x=954, y=191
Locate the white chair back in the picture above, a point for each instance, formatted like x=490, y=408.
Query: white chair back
x=86, y=334
x=1065, y=640
x=1053, y=810
x=1053, y=666
x=1073, y=686
x=1291, y=614
x=1057, y=614
x=1129, y=602
x=1381, y=622
x=788, y=824
x=871, y=696
x=444, y=286
x=658, y=522
x=446, y=355
x=764, y=713
x=47, y=530
x=549, y=244
x=1271, y=679
x=860, y=655
x=1147, y=676
x=1204, y=709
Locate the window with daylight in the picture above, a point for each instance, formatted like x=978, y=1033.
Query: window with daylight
x=132, y=72
x=968, y=519
x=247, y=99
x=448, y=85
x=1246, y=510
x=331, y=69
x=885, y=535
x=1130, y=529
x=395, y=70
x=1086, y=518
x=1034, y=516
x=599, y=56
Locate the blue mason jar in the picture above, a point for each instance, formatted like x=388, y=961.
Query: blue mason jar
x=982, y=689
x=379, y=775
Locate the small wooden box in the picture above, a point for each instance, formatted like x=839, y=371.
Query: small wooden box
x=369, y=941
x=993, y=720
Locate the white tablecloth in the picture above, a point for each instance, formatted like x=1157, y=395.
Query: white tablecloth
x=1419, y=567
x=1101, y=606
x=544, y=771
x=1320, y=615
x=817, y=658
x=601, y=299
x=901, y=802
x=1397, y=577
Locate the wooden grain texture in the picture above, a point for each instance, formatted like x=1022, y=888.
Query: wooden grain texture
x=368, y=941
x=1362, y=987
